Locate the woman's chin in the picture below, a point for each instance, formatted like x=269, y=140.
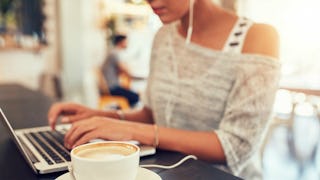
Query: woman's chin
x=166, y=20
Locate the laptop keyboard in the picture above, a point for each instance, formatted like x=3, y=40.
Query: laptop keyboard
x=50, y=146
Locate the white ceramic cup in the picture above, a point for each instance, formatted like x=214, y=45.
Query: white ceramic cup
x=105, y=160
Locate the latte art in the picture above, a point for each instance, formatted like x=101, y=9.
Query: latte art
x=105, y=152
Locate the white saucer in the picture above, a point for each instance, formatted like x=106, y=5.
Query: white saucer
x=142, y=175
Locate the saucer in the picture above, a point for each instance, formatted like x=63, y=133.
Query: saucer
x=142, y=175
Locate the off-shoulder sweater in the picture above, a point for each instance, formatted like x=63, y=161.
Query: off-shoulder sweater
x=192, y=87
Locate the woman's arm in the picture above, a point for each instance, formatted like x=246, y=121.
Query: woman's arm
x=71, y=112
x=204, y=145
x=143, y=115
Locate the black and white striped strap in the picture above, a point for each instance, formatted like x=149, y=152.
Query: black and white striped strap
x=237, y=36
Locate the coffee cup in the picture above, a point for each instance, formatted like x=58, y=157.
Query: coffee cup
x=105, y=160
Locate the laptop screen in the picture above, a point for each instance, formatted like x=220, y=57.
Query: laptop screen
x=14, y=137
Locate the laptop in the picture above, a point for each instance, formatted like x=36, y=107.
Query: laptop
x=43, y=148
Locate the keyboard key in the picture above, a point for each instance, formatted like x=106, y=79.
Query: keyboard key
x=58, y=146
x=50, y=146
x=46, y=147
x=45, y=157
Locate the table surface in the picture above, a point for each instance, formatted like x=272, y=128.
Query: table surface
x=27, y=108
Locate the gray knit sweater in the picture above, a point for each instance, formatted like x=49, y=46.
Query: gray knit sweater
x=196, y=88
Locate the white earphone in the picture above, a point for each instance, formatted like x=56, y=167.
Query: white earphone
x=190, y=27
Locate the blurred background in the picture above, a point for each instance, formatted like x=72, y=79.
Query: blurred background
x=55, y=46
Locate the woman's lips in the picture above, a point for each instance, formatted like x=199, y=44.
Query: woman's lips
x=158, y=10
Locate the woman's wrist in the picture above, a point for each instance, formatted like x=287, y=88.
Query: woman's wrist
x=109, y=113
x=146, y=134
x=120, y=115
x=156, y=135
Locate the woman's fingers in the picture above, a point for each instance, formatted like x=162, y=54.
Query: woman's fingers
x=68, y=110
x=76, y=135
x=53, y=114
x=86, y=138
x=96, y=127
x=79, y=129
x=67, y=135
x=74, y=118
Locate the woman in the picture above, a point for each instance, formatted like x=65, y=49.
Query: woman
x=213, y=76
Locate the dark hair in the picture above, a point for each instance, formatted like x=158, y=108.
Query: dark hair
x=118, y=38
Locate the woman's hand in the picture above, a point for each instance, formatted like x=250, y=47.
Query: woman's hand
x=70, y=113
x=98, y=127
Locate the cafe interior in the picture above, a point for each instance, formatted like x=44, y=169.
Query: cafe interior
x=56, y=47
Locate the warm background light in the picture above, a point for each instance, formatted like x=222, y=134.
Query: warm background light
x=297, y=22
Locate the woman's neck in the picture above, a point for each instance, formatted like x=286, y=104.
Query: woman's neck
x=206, y=15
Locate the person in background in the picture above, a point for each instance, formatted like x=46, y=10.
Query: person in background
x=113, y=67
x=213, y=78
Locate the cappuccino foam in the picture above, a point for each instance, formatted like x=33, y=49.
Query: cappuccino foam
x=105, y=152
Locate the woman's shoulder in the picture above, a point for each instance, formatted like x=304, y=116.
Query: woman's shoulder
x=262, y=39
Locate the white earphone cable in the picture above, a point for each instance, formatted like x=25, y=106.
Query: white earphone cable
x=171, y=166
x=190, y=26
x=168, y=118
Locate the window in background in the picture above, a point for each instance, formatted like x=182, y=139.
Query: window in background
x=298, y=27
x=21, y=24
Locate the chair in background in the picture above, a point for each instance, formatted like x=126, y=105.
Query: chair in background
x=125, y=80
x=106, y=100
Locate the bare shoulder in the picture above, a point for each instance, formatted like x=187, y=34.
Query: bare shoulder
x=262, y=39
